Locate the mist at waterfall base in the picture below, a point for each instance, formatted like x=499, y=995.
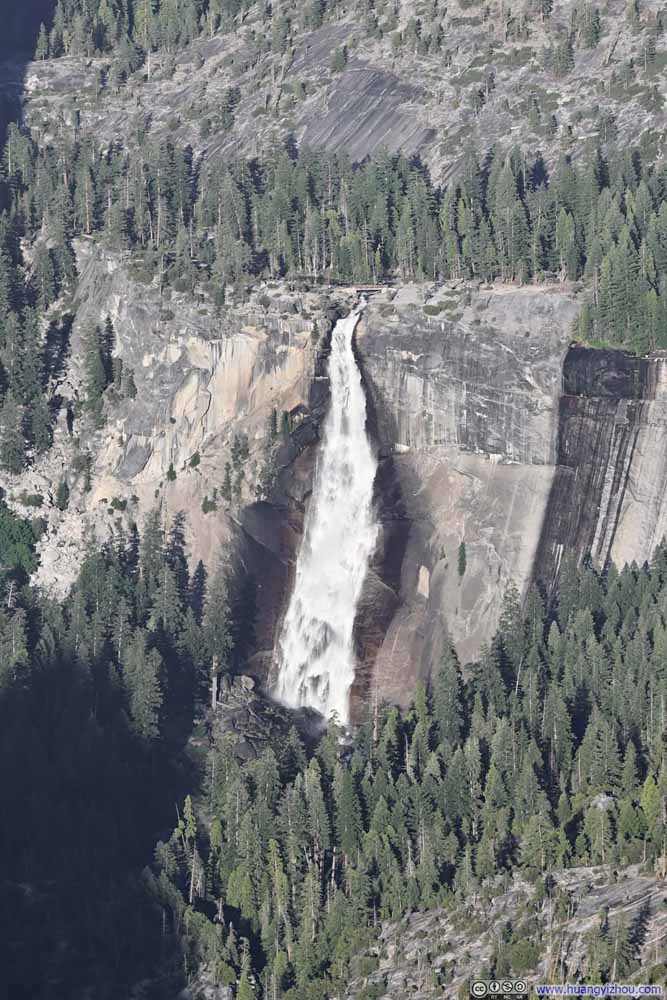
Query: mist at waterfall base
x=316, y=660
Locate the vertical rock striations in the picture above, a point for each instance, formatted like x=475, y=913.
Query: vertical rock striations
x=499, y=445
x=464, y=391
x=609, y=497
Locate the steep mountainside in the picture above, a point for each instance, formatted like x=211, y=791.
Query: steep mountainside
x=192, y=193
x=484, y=444
x=425, y=78
x=465, y=388
x=200, y=383
x=434, y=954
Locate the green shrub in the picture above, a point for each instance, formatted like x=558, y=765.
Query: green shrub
x=373, y=991
x=195, y=460
x=171, y=472
x=38, y=526
x=462, y=562
x=339, y=61
x=129, y=387
x=17, y=543
x=62, y=495
x=181, y=285
x=525, y=955
x=31, y=499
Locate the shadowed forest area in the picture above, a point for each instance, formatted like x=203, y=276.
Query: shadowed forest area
x=97, y=700
x=88, y=785
x=135, y=858
x=20, y=27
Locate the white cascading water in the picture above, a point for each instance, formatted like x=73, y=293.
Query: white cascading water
x=316, y=659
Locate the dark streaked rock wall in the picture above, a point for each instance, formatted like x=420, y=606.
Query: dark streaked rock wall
x=464, y=389
x=608, y=500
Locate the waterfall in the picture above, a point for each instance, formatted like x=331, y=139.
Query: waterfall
x=316, y=659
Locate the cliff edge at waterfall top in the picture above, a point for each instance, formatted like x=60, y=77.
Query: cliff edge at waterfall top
x=333, y=498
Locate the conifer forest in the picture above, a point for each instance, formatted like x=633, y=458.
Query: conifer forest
x=199, y=201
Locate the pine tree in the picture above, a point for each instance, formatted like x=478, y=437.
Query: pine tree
x=405, y=242
x=339, y=61
x=62, y=495
x=348, y=813
x=44, y=277
x=566, y=245
x=245, y=989
x=447, y=698
x=12, y=442
x=597, y=955
x=151, y=553
x=504, y=219
x=587, y=17
x=621, y=951
x=650, y=807
x=42, y=49
x=40, y=433
x=465, y=882
x=94, y=372
x=166, y=613
x=141, y=677
x=216, y=630
x=628, y=832
x=539, y=843
x=563, y=56
x=145, y=27
x=461, y=559
x=629, y=773
x=599, y=831
x=27, y=370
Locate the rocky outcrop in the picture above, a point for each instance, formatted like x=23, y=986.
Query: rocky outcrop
x=465, y=391
x=609, y=498
x=499, y=446
x=368, y=110
x=250, y=724
x=437, y=953
x=202, y=377
x=502, y=447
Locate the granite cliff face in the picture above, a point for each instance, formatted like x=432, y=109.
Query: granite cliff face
x=431, y=955
x=433, y=101
x=493, y=434
x=203, y=377
x=609, y=497
x=498, y=436
x=465, y=390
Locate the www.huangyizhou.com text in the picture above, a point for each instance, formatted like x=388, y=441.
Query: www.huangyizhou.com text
x=597, y=990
